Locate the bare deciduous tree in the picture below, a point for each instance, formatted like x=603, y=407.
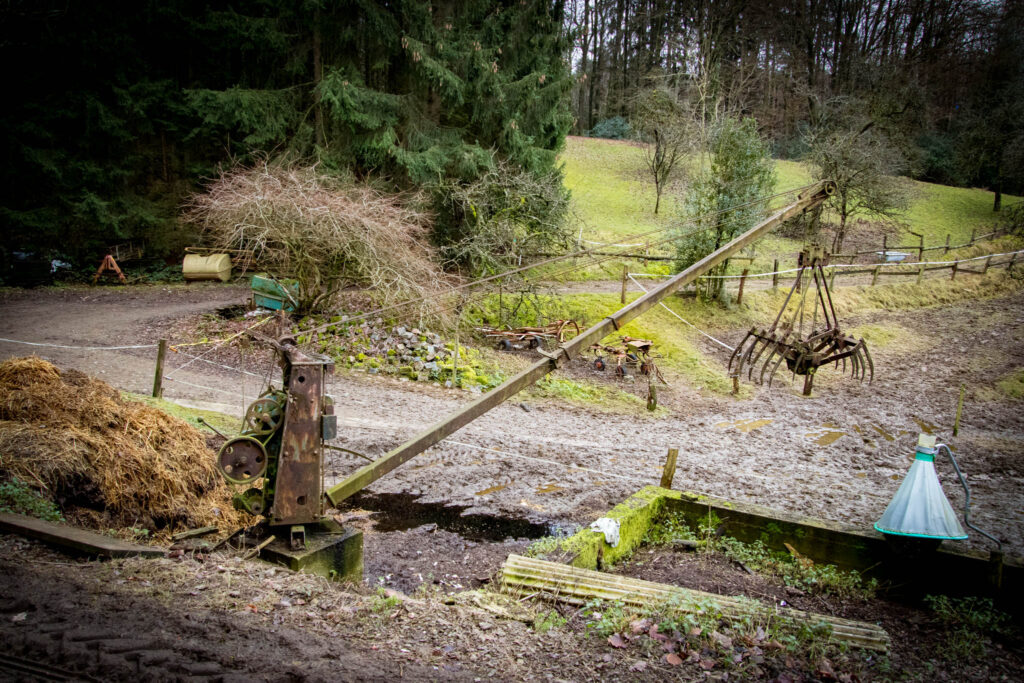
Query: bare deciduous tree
x=847, y=147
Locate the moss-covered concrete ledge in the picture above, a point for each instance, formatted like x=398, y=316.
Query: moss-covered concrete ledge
x=950, y=570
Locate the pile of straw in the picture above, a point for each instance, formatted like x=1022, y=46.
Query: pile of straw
x=103, y=459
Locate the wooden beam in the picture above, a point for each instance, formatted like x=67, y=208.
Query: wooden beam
x=70, y=538
x=571, y=585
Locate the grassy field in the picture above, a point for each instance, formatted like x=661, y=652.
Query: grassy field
x=615, y=201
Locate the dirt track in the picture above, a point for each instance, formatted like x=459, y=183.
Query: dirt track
x=838, y=455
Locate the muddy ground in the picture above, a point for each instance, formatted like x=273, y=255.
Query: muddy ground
x=839, y=454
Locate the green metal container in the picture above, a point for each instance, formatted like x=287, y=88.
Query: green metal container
x=271, y=293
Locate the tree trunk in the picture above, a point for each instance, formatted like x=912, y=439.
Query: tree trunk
x=318, y=75
x=837, y=243
x=997, y=203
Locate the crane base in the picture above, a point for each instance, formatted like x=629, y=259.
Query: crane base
x=336, y=555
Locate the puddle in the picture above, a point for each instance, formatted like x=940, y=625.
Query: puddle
x=401, y=512
x=885, y=435
x=829, y=436
x=926, y=427
x=549, y=488
x=493, y=489
x=745, y=426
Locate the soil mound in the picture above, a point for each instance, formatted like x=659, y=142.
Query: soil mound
x=106, y=461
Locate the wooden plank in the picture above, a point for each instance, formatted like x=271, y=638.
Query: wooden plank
x=70, y=538
x=573, y=585
x=192, y=533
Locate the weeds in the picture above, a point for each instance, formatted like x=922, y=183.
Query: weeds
x=18, y=497
x=801, y=573
x=548, y=621
x=970, y=624
x=382, y=602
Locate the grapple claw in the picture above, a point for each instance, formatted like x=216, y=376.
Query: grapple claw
x=803, y=354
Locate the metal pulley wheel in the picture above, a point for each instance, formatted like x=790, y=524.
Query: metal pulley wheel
x=242, y=460
x=263, y=416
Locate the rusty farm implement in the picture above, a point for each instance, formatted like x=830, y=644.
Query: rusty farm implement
x=764, y=351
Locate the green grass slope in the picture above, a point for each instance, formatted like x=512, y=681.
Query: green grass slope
x=614, y=198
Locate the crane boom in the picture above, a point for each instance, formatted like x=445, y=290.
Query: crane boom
x=368, y=474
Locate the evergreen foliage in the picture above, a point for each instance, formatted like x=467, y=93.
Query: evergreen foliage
x=614, y=128
x=740, y=171
x=118, y=109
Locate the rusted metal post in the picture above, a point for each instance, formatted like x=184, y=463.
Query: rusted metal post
x=947, y=244
x=743, y=280
x=874, y=276
x=158, y=380
x=959, y=409
x=775, y=275
x=625, y=274
x=669, y=473
x=953, y=276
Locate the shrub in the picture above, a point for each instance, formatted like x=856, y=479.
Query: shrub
x=507, y=214
x=325, y=231
x=614, y=128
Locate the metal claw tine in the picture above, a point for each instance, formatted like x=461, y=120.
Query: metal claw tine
x=775, y=368
x=739, y=346
x=771, y=353
x=745, y=356
x=871, y=363
x=770, y=339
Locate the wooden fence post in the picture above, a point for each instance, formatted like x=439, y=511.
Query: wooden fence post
x=973, y=233
x=959, y=409
x=947, y=244
x=158, y=380
x=743, y=280
x=669, y=473
x=874, y=276
x=953, y=276
x=832, y=277
x=625, y=274
x=920, y=273
x=920, y=248
x=988, y=262
x=1013, y=259
x=885, y=247
x=775, y=275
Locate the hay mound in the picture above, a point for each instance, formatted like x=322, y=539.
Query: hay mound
x=74, y=437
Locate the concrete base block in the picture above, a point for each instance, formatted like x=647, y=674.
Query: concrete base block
x=335, y=555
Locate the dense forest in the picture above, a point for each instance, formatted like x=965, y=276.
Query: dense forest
x=118, y=110
x=943, y=77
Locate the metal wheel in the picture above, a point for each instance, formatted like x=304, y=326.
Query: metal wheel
x=263, y=416
x=242, y=460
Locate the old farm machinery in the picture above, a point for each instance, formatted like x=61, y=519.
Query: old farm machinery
x=763, y=351
x=283, y=444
